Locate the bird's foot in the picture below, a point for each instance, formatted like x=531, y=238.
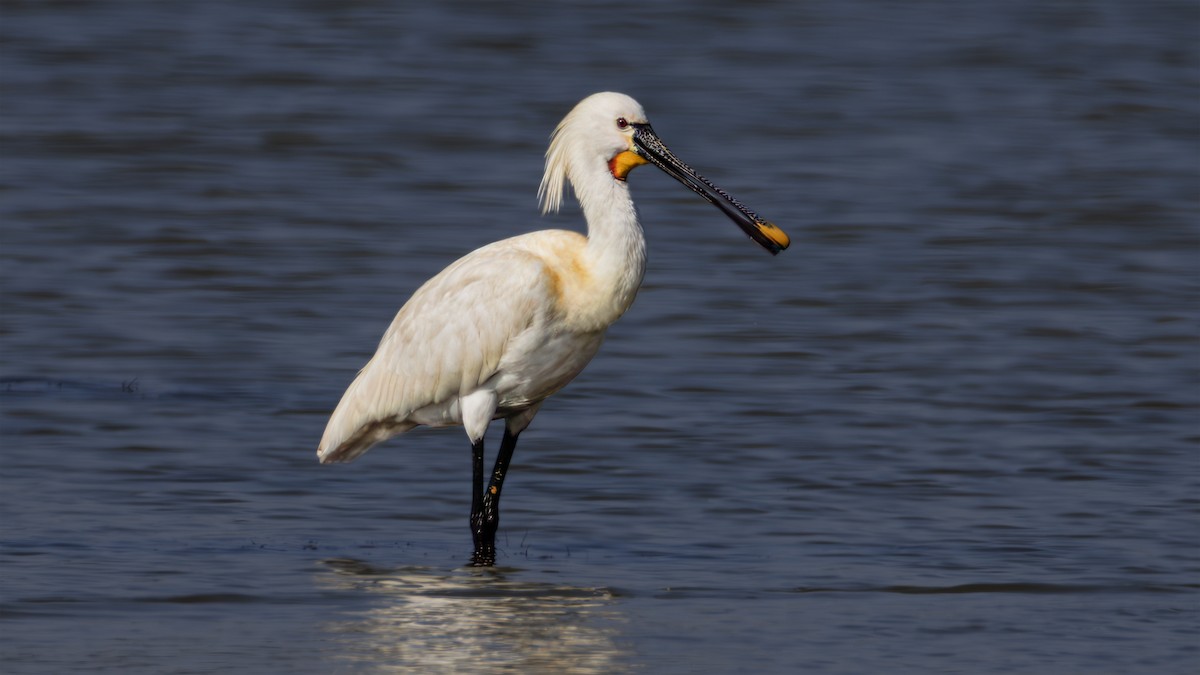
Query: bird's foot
x=483, y=558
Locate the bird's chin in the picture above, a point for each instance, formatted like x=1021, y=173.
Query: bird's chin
x=623, y=162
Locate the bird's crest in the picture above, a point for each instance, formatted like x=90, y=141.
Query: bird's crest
x=554, y=180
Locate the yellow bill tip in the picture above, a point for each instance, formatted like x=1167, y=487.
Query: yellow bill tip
x=771, y=231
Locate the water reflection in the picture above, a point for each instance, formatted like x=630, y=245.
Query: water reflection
x=434, y=621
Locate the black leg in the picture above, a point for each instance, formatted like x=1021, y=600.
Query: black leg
x=486, y=520
x=476, y=521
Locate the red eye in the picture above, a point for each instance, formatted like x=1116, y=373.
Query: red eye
x=622, y=123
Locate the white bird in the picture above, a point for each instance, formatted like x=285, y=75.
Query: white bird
x=509, y=324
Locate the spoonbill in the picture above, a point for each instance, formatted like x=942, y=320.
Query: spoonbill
x=509, y=324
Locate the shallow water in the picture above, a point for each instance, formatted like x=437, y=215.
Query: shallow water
x=952, y=429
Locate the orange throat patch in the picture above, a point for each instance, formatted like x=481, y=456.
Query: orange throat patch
x=623, y=162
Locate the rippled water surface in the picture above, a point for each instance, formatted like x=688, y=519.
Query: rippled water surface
x=953, y=429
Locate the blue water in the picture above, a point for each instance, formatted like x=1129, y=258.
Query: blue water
x=953, y=429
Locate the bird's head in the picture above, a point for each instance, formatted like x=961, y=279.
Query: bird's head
x=610, y=131
x=598, y=132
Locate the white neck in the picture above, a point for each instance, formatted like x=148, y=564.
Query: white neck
x=616, y=249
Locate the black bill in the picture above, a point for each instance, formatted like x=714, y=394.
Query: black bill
x=648, y=145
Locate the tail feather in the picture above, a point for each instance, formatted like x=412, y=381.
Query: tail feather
x=364, y=438
x=365, y=416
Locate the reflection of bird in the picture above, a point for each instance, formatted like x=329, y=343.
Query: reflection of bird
x=423, y=620
x=509, y=324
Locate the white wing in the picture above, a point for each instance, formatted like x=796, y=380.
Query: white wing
x=447, y=341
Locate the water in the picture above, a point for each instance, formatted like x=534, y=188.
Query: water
x=952, y=429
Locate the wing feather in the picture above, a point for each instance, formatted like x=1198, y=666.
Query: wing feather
x=446, y=341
